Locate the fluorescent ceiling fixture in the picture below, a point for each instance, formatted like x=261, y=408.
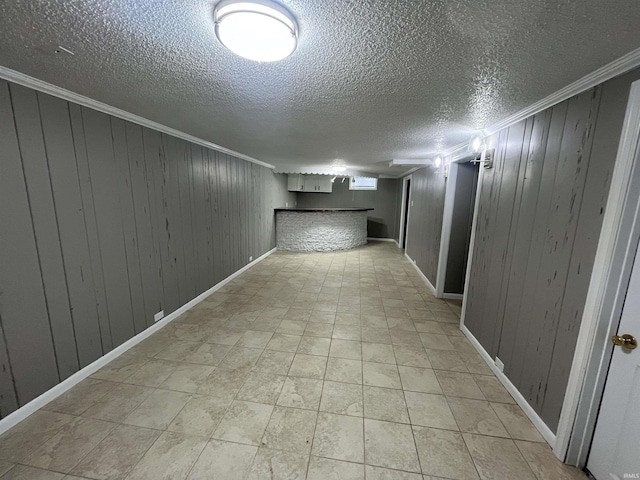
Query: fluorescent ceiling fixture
x=259, y=30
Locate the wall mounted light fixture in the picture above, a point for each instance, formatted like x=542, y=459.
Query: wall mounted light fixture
x=259, y=30
x=480, y=152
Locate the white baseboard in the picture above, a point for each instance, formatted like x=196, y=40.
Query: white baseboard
x=23, y=412
x=545, y=431
x=369, y=239
x=453, y=296
x=422, y=275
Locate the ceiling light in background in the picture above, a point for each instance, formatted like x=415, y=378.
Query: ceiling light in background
x=437, y=162
x=339, y=165
x=259, y=30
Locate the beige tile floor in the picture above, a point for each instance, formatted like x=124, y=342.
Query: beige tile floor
x=317, y=366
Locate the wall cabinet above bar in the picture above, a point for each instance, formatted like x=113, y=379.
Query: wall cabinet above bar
x=299, y=182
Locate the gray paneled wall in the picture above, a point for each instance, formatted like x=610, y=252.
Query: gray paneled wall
x=539, y=220
x=382, y=222
x=105, y=223
x=425, y=220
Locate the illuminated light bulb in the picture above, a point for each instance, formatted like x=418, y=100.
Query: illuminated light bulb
x=263, y=31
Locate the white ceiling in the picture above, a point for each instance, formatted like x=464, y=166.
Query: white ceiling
x=371, y=80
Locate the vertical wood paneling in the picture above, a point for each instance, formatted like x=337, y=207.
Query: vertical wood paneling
x=425, y=220
x=36, y=171
x=522, y=312
x=185, y=174
x=549, y=241
x=149, y=270
x=23, y=308
x=509, y=160
x=153, y=155
x=86, y=190
x=566, y=199
x=127, y=215
x=63, y=171
x=104, y=180
x=225, y=211
x=216, y=221
x=174, y=148
x=614, y=95
x=109, y=223
x=523, y=232
x=8, y=399
x=487, y=207
x=201, y=224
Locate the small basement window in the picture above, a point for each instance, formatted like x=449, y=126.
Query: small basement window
x=363, y=183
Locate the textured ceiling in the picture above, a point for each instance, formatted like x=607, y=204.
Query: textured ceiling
x=371, y=80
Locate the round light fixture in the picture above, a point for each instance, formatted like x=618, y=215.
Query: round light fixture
x=259, y=30
x=437, y=162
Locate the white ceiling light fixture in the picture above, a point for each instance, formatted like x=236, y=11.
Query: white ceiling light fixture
x=339, y=165
x=437, y=162
x=259, y=30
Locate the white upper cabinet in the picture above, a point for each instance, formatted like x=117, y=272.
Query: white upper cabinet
x=310, y=183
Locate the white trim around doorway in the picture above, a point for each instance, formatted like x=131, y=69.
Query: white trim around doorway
x=401, y=235
x=447, y=221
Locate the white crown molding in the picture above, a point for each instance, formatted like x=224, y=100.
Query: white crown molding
x=48, y=88
x=622, y=65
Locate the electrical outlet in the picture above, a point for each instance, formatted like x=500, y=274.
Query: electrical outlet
x=412, y=203
x=158, y=316
x=499, y=364
x=251, y=258
x=286, y=204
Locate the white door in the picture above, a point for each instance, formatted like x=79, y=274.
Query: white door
x=615, y=451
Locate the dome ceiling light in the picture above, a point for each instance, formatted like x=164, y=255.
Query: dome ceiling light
x=259, y=30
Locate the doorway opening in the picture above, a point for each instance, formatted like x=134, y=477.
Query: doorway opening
x=404, y=214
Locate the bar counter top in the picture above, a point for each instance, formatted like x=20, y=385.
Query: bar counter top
x=324, y=209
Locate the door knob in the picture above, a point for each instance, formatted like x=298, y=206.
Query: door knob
x=626, y=341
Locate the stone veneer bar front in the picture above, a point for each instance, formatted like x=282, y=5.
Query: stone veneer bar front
x=320, y=229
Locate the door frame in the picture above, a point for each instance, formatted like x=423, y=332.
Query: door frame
x=403, y=216
x=607, y=289
x=445, y=236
